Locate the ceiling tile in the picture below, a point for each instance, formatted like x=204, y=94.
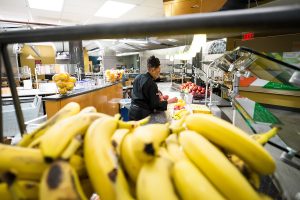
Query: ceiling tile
x=44, y=13
x=13, y=3
x=80, y=9
x=153, y=3
x=74, y=17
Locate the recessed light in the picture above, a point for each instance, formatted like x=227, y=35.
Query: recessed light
x=127, y=54
x=134, y=41
x=52, y=5
x=172, y=40
x=114, y=9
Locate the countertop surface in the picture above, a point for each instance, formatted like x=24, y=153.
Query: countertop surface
x=25, y=92
x=77, y=92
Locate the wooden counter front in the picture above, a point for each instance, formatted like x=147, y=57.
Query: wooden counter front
x=104, y=99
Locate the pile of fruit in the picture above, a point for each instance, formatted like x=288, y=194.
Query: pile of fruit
x=77, y=153
x=113, y=75
x=178, y=114
x=179, y=104
x=192, y=88
x=64, y=82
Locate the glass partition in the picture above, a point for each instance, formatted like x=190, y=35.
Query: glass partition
x=268, y=73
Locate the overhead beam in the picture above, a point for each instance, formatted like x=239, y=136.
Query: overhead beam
x=270, y=20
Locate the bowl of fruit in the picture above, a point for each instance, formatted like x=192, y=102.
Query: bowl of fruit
x=112, y=75
x=197, y=91
x=64, y=82
x=179, y=105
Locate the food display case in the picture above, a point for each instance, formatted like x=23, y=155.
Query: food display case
x=269, y=81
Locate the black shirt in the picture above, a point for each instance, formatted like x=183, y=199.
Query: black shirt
x=145, y=94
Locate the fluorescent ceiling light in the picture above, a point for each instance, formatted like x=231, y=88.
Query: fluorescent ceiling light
x=114, y=9
x=52, y=5
x=172, y=40
x=30, y=57
x=127, y=54
x=134, y=41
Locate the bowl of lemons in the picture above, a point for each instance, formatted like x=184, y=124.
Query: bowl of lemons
x=64, y=82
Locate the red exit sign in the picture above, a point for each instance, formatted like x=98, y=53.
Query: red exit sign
x=248, y=36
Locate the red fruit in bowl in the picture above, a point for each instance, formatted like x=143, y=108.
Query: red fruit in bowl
x=193, y=93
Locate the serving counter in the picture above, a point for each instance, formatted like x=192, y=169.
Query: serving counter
x=105, y=98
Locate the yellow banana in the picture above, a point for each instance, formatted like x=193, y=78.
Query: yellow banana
x=263, y=138
x=133, y=124
x=147, y=139
x=143, y=121
x=25, y=163
x=191, y=184
x=77, y=162
x=68, y=110
x=130, y=162
x=23, y=189
x=88, y=109
x=174, y=150
x=36, y=142
x=75, y=143
x=216, y=167
x=4, y=192
x=57, y=138
x=87, y=187
x=60, y=181
x=177, y=126
x=154, y=180
x=233, y=140
x=117, y=139
x=265, y=197
x=122, y=187
x=99, y=157
x=253, y=177
x=250, y=175
x=189, y=181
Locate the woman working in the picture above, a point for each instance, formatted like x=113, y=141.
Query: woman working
x=146, y=98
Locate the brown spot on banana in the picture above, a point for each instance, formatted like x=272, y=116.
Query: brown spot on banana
x=149, y=149
x=114, y=144
x=54, y=176
x=9, y=178
x=113, y=175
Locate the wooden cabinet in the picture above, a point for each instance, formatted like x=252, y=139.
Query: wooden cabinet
x=105, y=100
x=181, y=7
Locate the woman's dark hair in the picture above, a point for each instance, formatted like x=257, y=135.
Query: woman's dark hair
x=153, y=62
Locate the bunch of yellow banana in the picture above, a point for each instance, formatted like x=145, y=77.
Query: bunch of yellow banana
x=178, y=114
x=79, y=153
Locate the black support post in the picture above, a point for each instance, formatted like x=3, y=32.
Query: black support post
x=13, y=88
x=1, y=118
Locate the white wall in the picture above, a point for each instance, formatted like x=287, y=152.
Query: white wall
x=165, y=64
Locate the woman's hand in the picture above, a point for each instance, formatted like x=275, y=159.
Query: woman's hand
x=172, y=100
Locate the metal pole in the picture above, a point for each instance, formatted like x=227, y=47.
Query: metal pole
x=13, y=88
x=235, y=91
x=1, y=121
